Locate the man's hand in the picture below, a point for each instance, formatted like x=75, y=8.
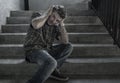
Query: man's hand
x=49, y=11
x=62, y=23
x=40, y=21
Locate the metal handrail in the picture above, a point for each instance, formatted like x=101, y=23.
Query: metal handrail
x=109, y=11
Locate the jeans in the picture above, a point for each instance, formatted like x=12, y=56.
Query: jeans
x=48, y=61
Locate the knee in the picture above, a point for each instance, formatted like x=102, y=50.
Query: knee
x=51, y=62
x=48, y=60
x=69, y=46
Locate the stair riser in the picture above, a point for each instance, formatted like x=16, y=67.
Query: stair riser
x=74, y=38
x=69, y=28
x=69, y=13
x=96, y=52
x=75, y=20
x=81, y=13
x=21, y=13
x=69, y=69
x=78, y=52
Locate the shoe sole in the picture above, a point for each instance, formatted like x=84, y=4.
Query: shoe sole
x=56, y=78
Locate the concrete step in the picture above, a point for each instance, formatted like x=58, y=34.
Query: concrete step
x=72, y=9
x=69, y=13
x=70, y=19
x=76, y=38
x=77, y=6
x=72, y=67
x=81, y=80
x=22, y=13
x=79, y=51
x=22, y=28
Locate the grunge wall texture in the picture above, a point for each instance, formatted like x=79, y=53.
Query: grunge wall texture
x=9, y=5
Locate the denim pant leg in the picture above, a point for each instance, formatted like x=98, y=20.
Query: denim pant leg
x=47, y=65
x=61, y=52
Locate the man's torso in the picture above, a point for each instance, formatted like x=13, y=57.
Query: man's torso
x=41, y=38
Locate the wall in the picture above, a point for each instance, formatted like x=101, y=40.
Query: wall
x=9, y=5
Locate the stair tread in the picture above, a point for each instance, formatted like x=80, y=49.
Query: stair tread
x=67, y=17
x=69, y=60
x=65, y=24
x=80, y=80
x=84, y=24
x=70, y=33
x=75, y=45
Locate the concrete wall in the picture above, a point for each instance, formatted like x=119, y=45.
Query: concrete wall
x=44, y=4
x=9, y=5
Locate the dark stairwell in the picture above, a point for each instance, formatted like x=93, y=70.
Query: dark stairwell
x=94, y=55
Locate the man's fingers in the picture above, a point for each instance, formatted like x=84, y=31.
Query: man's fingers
x=50, y=10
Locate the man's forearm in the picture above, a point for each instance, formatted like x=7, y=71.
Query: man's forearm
x=64, y=36
x=39, y=21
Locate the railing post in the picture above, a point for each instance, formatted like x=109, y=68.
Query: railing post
x=118, y=23
x=26, y=4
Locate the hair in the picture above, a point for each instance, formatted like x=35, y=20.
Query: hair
x=60, y=10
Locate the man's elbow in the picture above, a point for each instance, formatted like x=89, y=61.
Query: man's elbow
x=64, y=41
x=36, y=25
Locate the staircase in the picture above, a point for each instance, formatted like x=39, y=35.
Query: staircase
x=94, y=55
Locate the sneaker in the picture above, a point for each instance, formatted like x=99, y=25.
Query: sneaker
x=57, y=76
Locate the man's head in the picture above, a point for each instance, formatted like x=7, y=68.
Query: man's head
x=58, y=14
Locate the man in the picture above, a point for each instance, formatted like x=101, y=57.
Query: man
x=39, y=47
